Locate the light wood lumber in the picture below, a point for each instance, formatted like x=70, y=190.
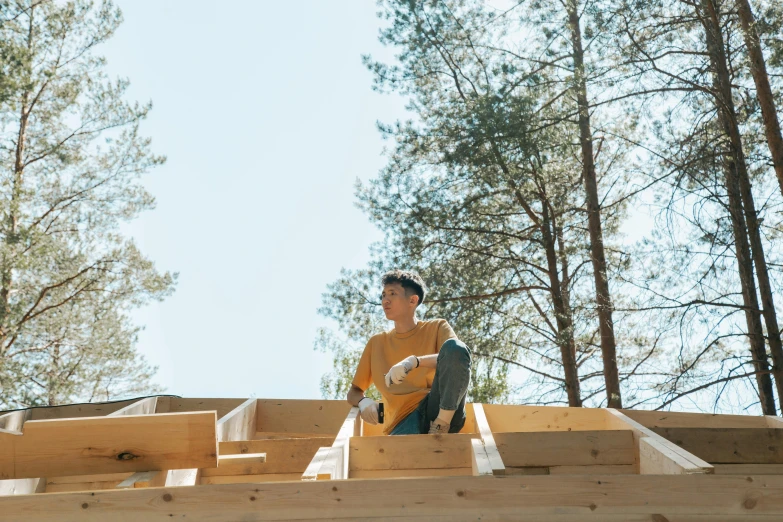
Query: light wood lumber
x=144, y=479
x=585, y=498
x=101, y=477
x=608, y=469
x=774, y=422
x=481, y=464
x=282, y=455
x=252, y=479
x=408, y=473
x=141, y=407
x=729, y=445
x=566, y=448
x=74, y=411
x=513, y=418
x=654, y=455
x=411, y=452
x=676, y=419
x=243, y=464
x=182, y=404
x=109, y=445
x=239, y=423
x=483, y=428
x=321, y=417
x=313, y=471
x=749, y=469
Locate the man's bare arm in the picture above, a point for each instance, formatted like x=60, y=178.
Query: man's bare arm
x=428, y=361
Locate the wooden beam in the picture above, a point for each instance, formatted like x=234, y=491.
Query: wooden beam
x=483, y=428
x=481, y=463
x=144, y=406
x=676, y=419
x=566, y=448
x=334, y=463
x=239, y=423
x=515, y=418
x=74, y=411
x=411, y=452
x=729, y=445
x=243, y=464
x=658, y=455
x=749, y=469
x=144, y=479
x=570, y=498
x=182, y=404
x=12, y=423
x=322, y=417
x=109, y=445
x=282, y=455
x=774, y=422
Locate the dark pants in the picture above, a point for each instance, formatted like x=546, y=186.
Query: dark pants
x=449, y=390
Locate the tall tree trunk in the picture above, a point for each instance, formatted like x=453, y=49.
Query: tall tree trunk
x=564, y=321
x=758, y=69
x=743, y=215
x=602, y=296
x=12, y=226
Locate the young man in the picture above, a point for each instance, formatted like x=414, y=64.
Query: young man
x=420, y=368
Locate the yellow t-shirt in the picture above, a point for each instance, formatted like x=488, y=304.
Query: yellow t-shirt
x=387, y=349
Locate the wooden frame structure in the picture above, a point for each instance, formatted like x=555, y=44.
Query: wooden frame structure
x=160, y=458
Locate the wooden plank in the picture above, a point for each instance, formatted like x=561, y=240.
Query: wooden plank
x=411, y=452
x=181, y=404
x=141, y=407
x=512, y=418
x=566, y=448
x=313, y=471
x=749, y=469
x=774, y=422
x=253, y=479
x=144, y=479
x=408, y=473
x=239, y=423
x=243, y=464
x=729, y=445
x=74, y=411
x=674, y=419
x=334, y=463
x=617, y=469
x=101, y=477
x=483, y=428
x=590, y=498
x=650, y=457
x=109, y=445
x=283, y=455
x=301, y=416
x=481, y=464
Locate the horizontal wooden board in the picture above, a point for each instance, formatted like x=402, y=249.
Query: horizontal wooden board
x=282, y=455
x=301, y=416
x=102, y=477
x=411, y=452
x=619, y=469
x=729, y=445
x=242, y=464
x=749, y=469
x=674, y=419
x=399, y=473
x=73, y=411
x=93, y=445
x=591, y=498
x=252, y=479
x=512, y=418
x=180, y=405
x=563, y=448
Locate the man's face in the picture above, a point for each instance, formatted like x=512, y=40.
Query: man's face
x=397, y=305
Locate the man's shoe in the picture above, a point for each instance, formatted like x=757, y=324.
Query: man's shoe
x=439, y=426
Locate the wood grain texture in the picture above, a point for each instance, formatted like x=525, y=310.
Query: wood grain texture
x=301, y=416
x=484, y=429
x=729, y=445
x=512, y=418
x=675, y=419
x=585, y=498
x=94, y=445
x=411, y=452
x=566, y=448
x=239, y=423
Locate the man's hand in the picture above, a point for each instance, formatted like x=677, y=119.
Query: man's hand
x=399, y=371
x=368, y=409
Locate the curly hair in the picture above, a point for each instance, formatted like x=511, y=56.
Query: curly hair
x=410, y=281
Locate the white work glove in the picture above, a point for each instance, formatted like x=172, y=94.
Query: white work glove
x=368, y=409
x=399, y=371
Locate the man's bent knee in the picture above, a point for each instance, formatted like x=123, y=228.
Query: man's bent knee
x=454, y=348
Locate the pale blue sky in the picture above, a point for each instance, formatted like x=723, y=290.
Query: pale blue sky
x=267, y=117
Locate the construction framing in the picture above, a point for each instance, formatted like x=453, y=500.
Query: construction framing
x=165, y=457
